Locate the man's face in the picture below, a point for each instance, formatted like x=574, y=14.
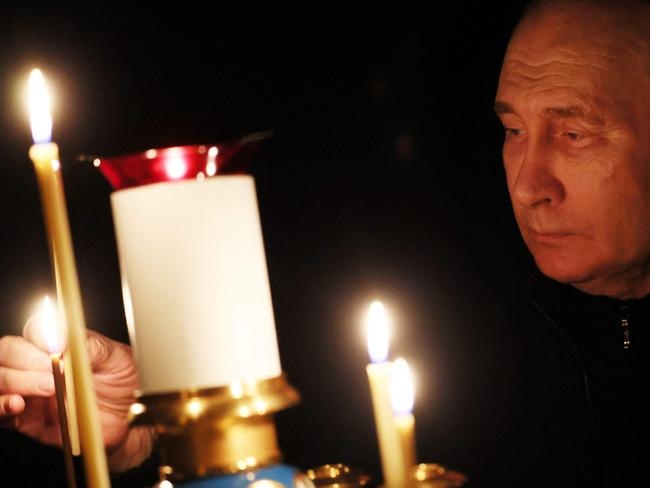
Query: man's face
x=574, y=99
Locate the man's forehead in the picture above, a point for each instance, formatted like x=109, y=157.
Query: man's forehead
x=569, y=68
x=561, y=68
x=537, y=49
x=617, y=34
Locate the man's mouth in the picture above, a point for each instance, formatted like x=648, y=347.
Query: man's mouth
x=549, y=236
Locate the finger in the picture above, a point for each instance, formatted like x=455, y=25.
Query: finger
x=33, y=332
x=36, y=421
x=19, y=353
x=41, y=422
x=99, y=350
x=11, y=405
x=26, y=383
x=109, y=356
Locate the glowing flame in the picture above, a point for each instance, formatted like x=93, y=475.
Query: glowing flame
x=137, y=408
x=236, y=389
x=260, y=406
x=194, y=407
x=50, y=327
x=377, y=327
x=175, y=167
x=211, y=166
x=402, y=395
x=40, y=115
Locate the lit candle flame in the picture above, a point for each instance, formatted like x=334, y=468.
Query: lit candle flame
x=402, y=395
x=50, y=326
x=194, y=407
x=40, y=115
x=211, y=166
x=175, y=164
x=377, y=326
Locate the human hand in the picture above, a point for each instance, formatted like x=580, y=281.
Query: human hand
x=27, y=393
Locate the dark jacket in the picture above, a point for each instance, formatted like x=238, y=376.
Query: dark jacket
x=582, y=398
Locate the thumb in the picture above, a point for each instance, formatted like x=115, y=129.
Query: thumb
x=36, y=332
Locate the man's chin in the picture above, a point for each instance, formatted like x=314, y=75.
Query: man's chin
x=596, y=274
x=569, y=271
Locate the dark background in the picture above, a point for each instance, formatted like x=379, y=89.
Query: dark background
x=383, y=180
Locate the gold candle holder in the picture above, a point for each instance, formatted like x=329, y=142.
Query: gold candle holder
x=432, y=475
x=215, y=431
x=337, y=476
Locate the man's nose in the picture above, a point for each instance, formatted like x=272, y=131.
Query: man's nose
x=536, y=183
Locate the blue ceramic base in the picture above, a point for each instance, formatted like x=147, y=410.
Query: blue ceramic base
x=286, y=476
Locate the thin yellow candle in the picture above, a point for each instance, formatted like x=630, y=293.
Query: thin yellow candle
x=45, y=156
x=39, y=107
x=51, y=335
x=402, y=398
x=379, y=375
x=68, y=382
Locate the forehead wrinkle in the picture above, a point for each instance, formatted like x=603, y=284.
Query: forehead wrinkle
x=618, y=48
x=569, y=76
x=554, y=62
x=559, y=101
x=542, y=81
x=568, y=79
x=601, y=55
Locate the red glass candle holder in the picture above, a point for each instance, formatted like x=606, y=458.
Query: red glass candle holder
x=181, y=162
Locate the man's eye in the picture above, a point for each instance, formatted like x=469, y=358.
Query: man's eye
x=511, y=131
x=574, y=136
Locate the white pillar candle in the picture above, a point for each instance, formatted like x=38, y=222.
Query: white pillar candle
x=195, y=283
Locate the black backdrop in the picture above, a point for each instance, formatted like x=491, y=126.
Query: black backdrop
x=383, y=180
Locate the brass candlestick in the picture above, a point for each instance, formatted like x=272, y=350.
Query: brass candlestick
x=215, y=431
x=432, y=475
x=338, y=476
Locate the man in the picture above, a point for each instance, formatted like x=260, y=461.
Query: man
x=575, y=103
x=574, y=99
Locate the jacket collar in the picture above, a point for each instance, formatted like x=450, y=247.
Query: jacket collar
x=588, y=319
